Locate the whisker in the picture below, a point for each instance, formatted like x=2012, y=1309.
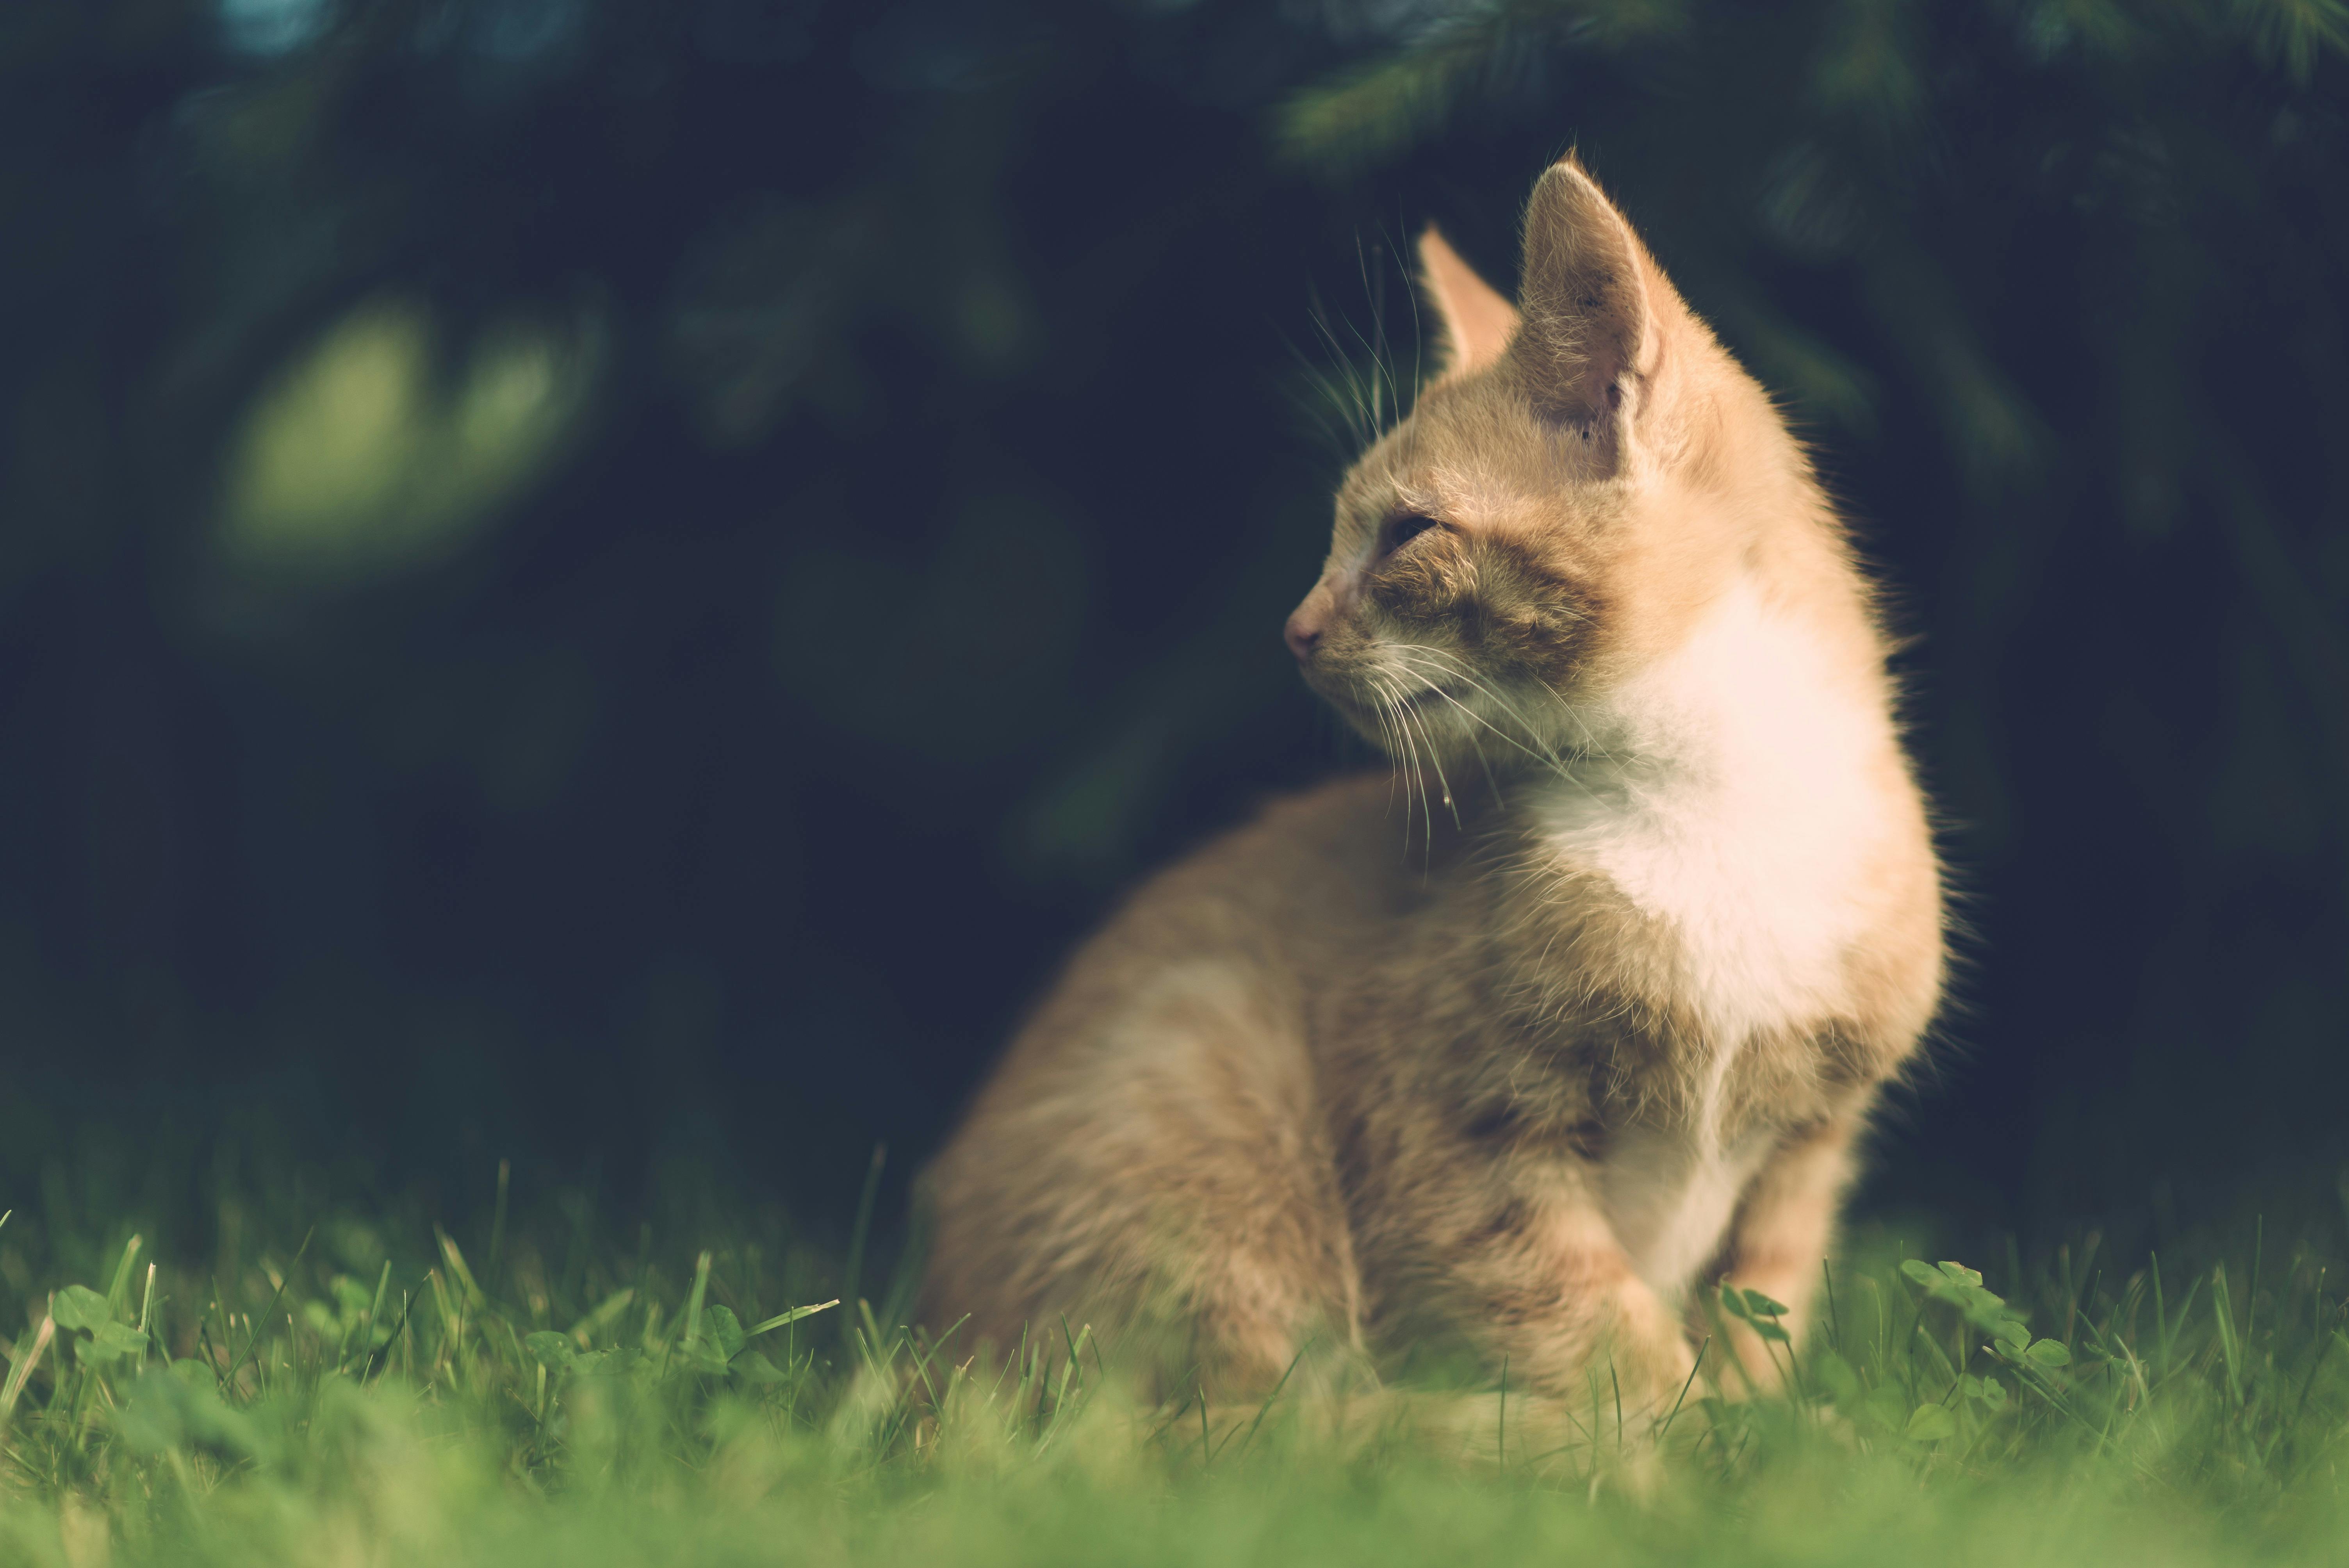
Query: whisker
x=1436, y=762
x=1393, y=752
x=1455, y=665
x=1476, y=741
x=1398, y=754
x=1383, y=713
x=1411, y=747
x=1466, y=672
x=1535, y=750
x=1538, y=751
x=1365, y=428
x=1408, y=762
x=1479, y=718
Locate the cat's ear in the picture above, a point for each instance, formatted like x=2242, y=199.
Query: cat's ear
x=1476, y=321
x=1590, y=298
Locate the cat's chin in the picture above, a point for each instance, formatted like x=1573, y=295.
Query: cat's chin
x=1433, y=735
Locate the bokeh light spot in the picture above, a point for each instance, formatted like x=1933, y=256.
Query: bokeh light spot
x=274, y=26
x=364, y=456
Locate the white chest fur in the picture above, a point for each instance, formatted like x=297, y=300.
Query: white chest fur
x=1736, y=800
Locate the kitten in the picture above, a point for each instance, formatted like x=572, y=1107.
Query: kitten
x=1604, y=1039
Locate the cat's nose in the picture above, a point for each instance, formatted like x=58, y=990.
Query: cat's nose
x=1303, y=633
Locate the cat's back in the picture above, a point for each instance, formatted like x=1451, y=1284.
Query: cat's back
x=1260, y=917
x=1170, y=1064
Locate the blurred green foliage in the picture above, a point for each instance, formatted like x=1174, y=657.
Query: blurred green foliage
x=656, y=562
x=355, y=461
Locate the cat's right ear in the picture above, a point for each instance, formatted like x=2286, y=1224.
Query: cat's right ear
x=1591, y=338
x=1477, y=322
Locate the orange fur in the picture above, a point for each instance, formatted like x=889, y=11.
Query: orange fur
x=1608, y=1030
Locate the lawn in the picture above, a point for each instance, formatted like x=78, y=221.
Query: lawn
x=367, y=1387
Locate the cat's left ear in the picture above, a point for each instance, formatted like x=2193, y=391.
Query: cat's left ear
x=1477, y=322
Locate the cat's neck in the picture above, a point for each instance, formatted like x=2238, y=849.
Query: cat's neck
x=1735, y=794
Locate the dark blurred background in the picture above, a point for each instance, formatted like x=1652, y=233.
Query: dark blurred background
x=604, y=583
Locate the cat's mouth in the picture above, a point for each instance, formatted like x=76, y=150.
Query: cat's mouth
x=1373, y=699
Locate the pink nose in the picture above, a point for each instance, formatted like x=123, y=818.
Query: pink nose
x=1303, y=635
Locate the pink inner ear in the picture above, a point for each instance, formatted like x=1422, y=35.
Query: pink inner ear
x=1477, y=322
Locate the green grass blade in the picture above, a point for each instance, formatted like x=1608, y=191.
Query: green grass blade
x=854, y=1275
x=780, y=1319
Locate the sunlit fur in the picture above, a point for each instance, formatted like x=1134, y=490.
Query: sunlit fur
x=1583, y=1010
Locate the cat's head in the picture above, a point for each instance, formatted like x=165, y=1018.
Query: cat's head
x=1585, y=473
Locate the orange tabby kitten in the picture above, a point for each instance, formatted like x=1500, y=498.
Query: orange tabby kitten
x=1605, y=1038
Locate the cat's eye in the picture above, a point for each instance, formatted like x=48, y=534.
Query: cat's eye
x=1402, y=530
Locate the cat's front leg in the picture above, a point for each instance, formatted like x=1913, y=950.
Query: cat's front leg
x=1555, y=1298
x=1778, y=1245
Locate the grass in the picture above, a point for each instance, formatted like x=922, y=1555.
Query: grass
x=367, y=1390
